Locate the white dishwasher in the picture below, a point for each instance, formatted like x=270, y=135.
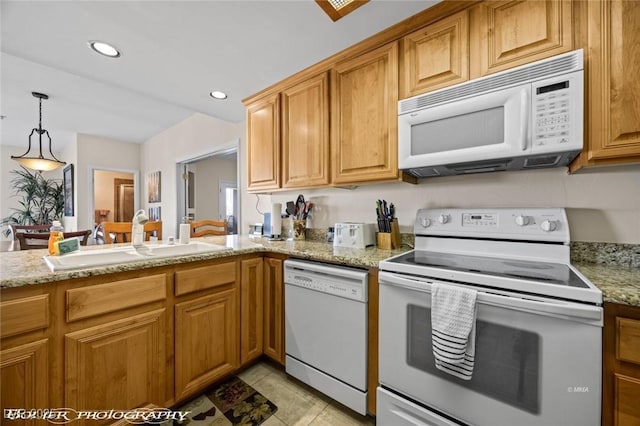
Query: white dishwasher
x=326, y=329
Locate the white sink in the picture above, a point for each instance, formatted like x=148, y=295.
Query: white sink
x=127, y=254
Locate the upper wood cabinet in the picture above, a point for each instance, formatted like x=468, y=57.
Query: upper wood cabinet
x=509, y=33
x=435, y=56
x=612, y=109
x=305, y=133
x=263, y=143
x=364, y=117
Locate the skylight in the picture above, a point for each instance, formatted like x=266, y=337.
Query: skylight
x=336, y=9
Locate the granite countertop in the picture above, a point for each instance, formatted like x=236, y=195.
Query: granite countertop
x=619, y=284
x=27, y=267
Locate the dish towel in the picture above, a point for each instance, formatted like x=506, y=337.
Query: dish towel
x=453, y=329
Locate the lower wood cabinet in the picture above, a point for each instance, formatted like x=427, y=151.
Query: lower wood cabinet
x=621, y=372
x=206, y=341
x=117, y=365
x=274, y=309
x=24, y=377
x=251, y=309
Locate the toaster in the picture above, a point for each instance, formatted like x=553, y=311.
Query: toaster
x=354, y=235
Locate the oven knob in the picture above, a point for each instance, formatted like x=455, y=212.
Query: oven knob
x=522, y=220
x=425, y=222
x=548, y=225
x=443, y=218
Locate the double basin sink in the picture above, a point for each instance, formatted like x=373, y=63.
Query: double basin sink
x=127, y=254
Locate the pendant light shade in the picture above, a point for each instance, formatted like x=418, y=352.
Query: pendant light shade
x=39, y=163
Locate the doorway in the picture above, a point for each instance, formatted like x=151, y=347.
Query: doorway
x=113, y=196
x=208, y=187
x=123, y=199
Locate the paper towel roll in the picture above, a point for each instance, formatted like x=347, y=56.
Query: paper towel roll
x=276, y=219
x=185, y=231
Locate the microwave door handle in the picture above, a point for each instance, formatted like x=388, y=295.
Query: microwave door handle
x=526, y=305
x=524, y=118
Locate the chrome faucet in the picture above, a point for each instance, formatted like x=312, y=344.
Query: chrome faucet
x=137, y=229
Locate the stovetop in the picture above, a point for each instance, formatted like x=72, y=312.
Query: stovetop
x=519, y=250
x=540, y=272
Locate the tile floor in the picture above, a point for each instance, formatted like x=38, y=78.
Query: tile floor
x=297, y=403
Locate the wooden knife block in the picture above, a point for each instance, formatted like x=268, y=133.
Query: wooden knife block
x=389, y=240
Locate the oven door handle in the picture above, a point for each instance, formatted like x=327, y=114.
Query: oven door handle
x=557, y=308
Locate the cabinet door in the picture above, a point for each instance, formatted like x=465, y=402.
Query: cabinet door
x=206, y=341
x=614, y=86
x=24, y=373
x=251, y=310
x=509, y=33
x=305, y=133
x=621, y=366
x=263, y=143
x=364, y=117
x=435, y=56
x=274, y=309
x=117, y=365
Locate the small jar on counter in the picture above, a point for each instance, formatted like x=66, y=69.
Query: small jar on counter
x=330, y=231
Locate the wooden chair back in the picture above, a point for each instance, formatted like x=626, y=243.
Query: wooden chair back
x=39, y=240
x=150, y=227
x=116, y=232
x=200, y=228
x=16, y=240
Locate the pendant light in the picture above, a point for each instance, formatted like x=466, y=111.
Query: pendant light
x=39, y=163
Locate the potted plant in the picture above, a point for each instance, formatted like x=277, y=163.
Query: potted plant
x=41, y=201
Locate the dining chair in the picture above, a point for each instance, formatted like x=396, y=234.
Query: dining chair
x=151, y=227
x=116, y=232
x=39, y=240
x=200, y=228
x=16, y=242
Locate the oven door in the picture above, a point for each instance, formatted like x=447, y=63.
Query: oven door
x=537, y=362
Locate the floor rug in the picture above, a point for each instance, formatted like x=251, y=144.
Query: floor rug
x=232, y=402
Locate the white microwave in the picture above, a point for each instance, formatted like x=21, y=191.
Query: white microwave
x=523, y=118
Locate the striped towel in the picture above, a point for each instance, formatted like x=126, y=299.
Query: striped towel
x=453, y=324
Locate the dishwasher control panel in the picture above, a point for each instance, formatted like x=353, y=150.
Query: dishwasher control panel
x=335, y=280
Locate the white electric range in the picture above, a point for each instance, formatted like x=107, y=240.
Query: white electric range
x=539, y=322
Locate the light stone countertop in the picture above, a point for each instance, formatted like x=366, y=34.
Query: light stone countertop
x=619, y=284
x=27, y=267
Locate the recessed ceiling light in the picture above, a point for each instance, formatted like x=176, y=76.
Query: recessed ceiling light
x=104, y=49
x=216, y=94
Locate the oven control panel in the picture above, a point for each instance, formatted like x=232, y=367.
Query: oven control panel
x=532, y=224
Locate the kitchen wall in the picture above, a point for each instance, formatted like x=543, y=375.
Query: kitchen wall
x=193, y=137
x=603, y=204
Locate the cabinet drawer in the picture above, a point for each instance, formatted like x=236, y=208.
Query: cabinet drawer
x=100, y=299
x=628, y=340
x=23, y=315
x=196, y=279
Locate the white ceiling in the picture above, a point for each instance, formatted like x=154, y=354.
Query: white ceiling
x=173, y=54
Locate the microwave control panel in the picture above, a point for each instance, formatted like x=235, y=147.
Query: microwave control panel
x=557, y=112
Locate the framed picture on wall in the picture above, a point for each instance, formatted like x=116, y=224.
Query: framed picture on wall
x=67, y=187
x=154, y=187
x=154, y=213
